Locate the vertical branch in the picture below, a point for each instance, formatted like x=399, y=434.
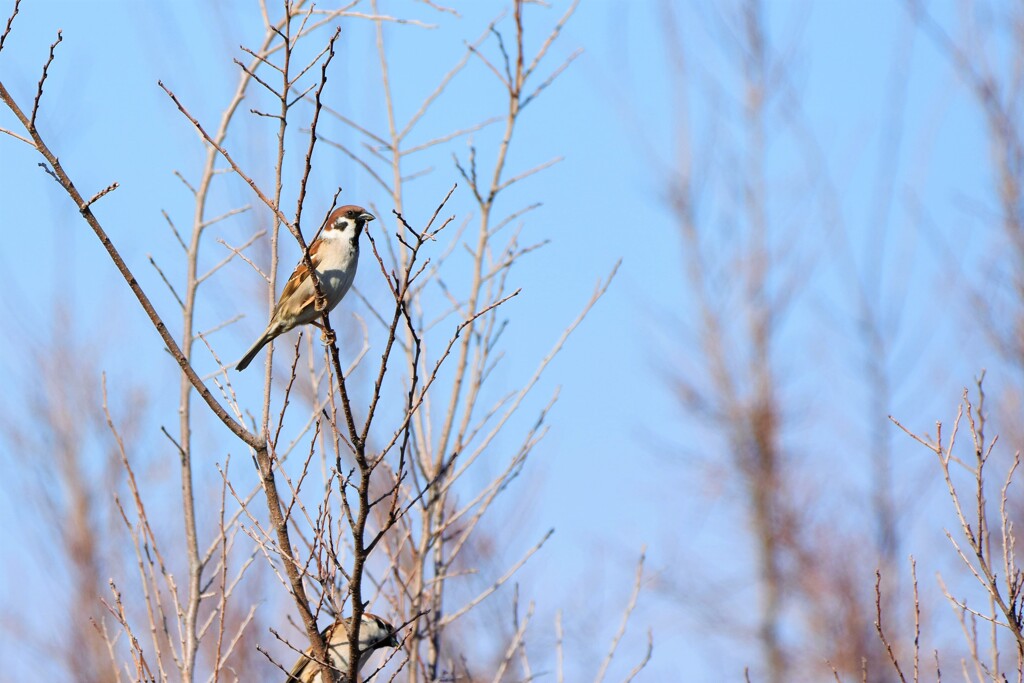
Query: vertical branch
x=763, y=472
x=881, y=630
x=265, y=458
x=284, y=33
x=199, y=224
x=741, y=393
x=485, y=200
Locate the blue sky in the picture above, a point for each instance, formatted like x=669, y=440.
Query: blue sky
x=617, y=471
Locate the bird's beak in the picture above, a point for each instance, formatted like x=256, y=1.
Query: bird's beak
x=392, y=641
x=366, y=217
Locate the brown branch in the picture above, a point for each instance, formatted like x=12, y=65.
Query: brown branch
x=224, y=153
x=99, y=195
x=309, y=160
x=42, y=80
x=17, y=137
x=10, y=22
x=881, y=631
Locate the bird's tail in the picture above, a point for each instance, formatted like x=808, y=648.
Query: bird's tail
x=251, y=353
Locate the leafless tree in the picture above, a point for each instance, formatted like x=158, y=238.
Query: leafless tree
x=741, y=285
x=57, y=440
x=990, y=612
x=748, y=256
x=361, y=495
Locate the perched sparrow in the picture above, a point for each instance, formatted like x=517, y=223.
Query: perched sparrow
x=335, y=255
x=374, y=634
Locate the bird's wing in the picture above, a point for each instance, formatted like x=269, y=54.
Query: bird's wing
x=299, y=672
x=300, y=280
x=300, y=666
x=300, y=276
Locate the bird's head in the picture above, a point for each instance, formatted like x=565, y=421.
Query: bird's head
x=347, y=221
x=375, y=633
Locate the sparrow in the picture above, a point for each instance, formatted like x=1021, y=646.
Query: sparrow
x=335, y=255
x=374, y=634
